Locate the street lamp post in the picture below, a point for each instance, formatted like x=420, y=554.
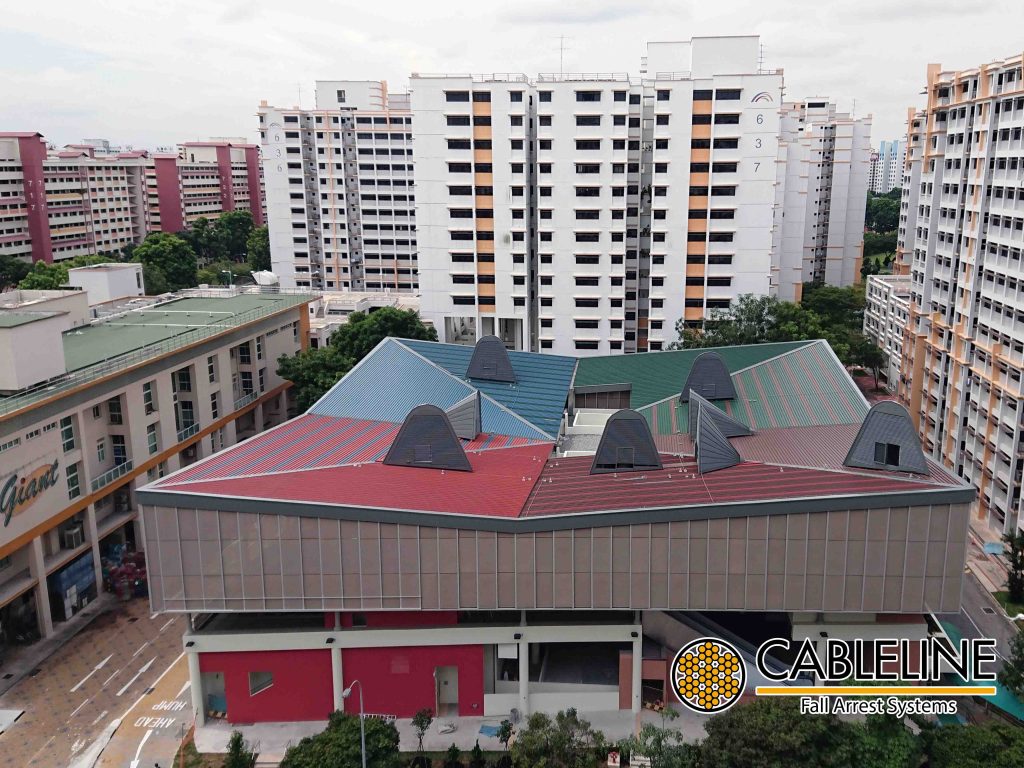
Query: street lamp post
x=362, y=726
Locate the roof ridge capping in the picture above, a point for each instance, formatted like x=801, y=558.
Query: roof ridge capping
x=727, y=425
x=626, y=445
x=713, y=449
x=490, y=361
x=709, y=377
x=427, y=439
x=887, y=440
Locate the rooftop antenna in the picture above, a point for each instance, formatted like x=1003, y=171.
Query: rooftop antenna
x=561, y=54
x=853, y=110
x=300, y=94
x=760, y=58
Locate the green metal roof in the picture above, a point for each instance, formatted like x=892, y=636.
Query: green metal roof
x=166, y=326
x=655, y=376
x=802, y=386
x=14, y=319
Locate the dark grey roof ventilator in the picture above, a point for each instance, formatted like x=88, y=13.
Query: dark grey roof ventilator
x=887, y=440
x=714, y=451
x=426, y=439
x=490, y=361
x=726, y=424
x=464, y=416
x=709, y=377
x=626, y=445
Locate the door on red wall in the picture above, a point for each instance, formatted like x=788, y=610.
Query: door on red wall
x=446, y=685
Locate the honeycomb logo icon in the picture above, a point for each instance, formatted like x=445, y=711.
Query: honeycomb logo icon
x=708, y=675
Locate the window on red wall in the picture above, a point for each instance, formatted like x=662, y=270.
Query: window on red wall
x=260, y=681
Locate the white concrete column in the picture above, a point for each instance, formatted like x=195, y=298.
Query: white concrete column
x=524, y=678
x=198, y=699
x=230, y=433
x=337, y=677
x=94, y=539
x=37, y=570
x=638, y=661
x=258, y=417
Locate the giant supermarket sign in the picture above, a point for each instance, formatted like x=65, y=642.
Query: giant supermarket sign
x=19, y=491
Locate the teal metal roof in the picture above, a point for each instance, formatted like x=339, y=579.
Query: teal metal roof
x=539, y=393
x=655, y=376
x=393, y=379
x=804, y=386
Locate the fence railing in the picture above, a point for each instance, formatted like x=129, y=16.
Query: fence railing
x=186, y=432
x=120, y=470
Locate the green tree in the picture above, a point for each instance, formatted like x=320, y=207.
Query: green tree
x=883, y=741
x=567, y=741
x=837, y=307
x=875, y=243
x=172, y=255
x=867, y=354
x=12, y=271
x=882, y=213
x=771, y=733
x=1014, y=542
x=258, y=249
x=421, y=724
x=154, y=280
x=222, y=272
x=992, y=745
x=453, y=757
x=45, y=277
x=232, y=230
x=313, y=372
x=338, y=745
x=205, y=240
x=1012, y=673
x=476, y=756
x=239, y=754
x=505, y=731
x=664, y=747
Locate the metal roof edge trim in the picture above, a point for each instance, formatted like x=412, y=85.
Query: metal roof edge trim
x=572, y=520
x=330, y=389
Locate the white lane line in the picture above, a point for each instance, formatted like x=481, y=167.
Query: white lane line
x=116, y=672
x=79, y=707
x=95, y=669
x=169, y=622
x=141, y=649
x=185, y=687
x=99, y=717
x=145, y=668
x=145, y=738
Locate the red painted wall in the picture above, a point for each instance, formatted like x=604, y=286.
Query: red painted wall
x=302, y=688
x=252, y=172
x=400, y=681
x=33, y=152
x=227, y=192
x=168, y=191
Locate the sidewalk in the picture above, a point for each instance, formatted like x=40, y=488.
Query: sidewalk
x=989, y=569
x=21, y=661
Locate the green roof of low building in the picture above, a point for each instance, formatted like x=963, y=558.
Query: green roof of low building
x=166, y=326
x=655, y=376
x=14, y=319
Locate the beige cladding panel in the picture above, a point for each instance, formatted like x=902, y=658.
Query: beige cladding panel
x=901, y=560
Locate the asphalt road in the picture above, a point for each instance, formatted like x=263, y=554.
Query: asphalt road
x=981, y=616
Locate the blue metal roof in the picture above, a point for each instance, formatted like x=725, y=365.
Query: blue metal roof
x=392, y=380
x=541, y=389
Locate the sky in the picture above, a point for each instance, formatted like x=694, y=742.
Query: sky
x=153, y=73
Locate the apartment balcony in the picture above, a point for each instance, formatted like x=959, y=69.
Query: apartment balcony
x=112, y=474
x=186, y=432
x=245, y=399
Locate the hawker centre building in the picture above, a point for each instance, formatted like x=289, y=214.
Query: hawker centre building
x=481, y=532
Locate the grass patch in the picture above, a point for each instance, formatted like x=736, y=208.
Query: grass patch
x=1003, y=598
x=196, y=759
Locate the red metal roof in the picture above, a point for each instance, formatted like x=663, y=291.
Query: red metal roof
x=498, y=486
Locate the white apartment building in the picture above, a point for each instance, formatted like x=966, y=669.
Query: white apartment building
x=823, y=174
x=590, y=181
x=886, y=312
x=887, y=172
x=961, y=244
x=339, y=189
x=157, y=384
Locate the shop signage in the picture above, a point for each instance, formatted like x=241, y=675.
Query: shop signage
x=19, y=492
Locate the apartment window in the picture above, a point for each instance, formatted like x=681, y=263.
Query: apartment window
x=702, y=95
x=71, y=475
x=727, y=119
x=97, y=411
x=260, y=681
x=727, y=94
x=211, y=369
x=481, y=96
x=460, y=168
x=588, y=144
x=588, y=214
x=543, y=167
x=459, y=144
x=723, y=213
x=664, y=95
x=67, y=434
x=588, y=237
x=695, y=237
x=719, y=282
x=588, y=119
x=724, y=143
x=481, y=144
x=588, y=191
x=458, y=119
x=723, y=191
x=517, y=143
x=720, y=237
x=147, y=397
x=516, y=96
x=544, y=144
x=619, y=95
x=661, y=119
x=215, y=404
x=661, y=167
x=456, y=95
x=887, y=453
x=101, y=450
x=463, y=300
x=618, y=119
x=700, y=143
x=588, y=95
x=544, y=120
x=262, y=377
x=543, y=96
x=152, y=440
